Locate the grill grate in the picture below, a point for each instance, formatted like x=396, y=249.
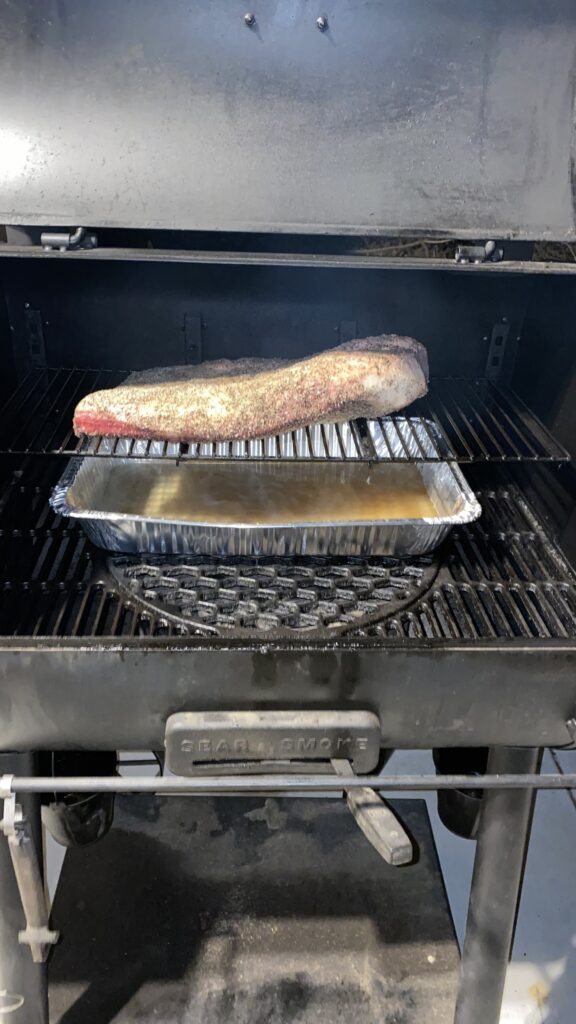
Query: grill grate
x=499, y=578
x=459, y=420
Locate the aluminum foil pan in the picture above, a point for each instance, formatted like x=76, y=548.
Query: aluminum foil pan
x=91, y=490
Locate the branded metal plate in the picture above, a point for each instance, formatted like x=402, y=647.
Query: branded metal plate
x=193, y=737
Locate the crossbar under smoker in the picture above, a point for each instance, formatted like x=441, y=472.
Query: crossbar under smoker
x=227, y=784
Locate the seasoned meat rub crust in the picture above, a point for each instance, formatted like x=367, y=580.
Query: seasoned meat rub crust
x=240, y=399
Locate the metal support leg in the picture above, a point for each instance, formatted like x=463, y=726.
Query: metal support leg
x=23, y=983
x=504, y=831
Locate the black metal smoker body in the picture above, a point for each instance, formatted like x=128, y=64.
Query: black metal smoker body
x=220, y=161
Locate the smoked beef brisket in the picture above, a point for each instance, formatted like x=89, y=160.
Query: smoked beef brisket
x=231, y=400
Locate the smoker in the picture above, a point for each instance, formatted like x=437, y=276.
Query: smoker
x=185, y=182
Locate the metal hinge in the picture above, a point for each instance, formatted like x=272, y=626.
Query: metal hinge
x=487, y=253
x=66, y=240
x=25, y=860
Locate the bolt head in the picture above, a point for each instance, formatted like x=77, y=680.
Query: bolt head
x=249, y=19
x=322, y=23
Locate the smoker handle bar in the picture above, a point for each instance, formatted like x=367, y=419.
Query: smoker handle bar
x=10, y=784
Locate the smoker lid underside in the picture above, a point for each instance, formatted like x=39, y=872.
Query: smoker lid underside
x=425, y=118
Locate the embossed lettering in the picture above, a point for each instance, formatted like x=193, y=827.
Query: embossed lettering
x=343, y=743
x=307, y=744
x=292, y=745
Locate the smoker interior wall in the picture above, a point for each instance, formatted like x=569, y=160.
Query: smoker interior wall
x=546, y=367
x=7, y=376
x=123, y=314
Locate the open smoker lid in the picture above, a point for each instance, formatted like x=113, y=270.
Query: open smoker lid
x=433, y=116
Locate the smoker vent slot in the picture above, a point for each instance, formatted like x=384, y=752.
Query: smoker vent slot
x=459, y=420
x=499, y=578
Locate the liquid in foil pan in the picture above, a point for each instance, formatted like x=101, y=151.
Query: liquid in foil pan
x=83, y=493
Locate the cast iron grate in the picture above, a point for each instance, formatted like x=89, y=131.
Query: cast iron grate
x=498, y=579
x=294, y=596
x=459, y=420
